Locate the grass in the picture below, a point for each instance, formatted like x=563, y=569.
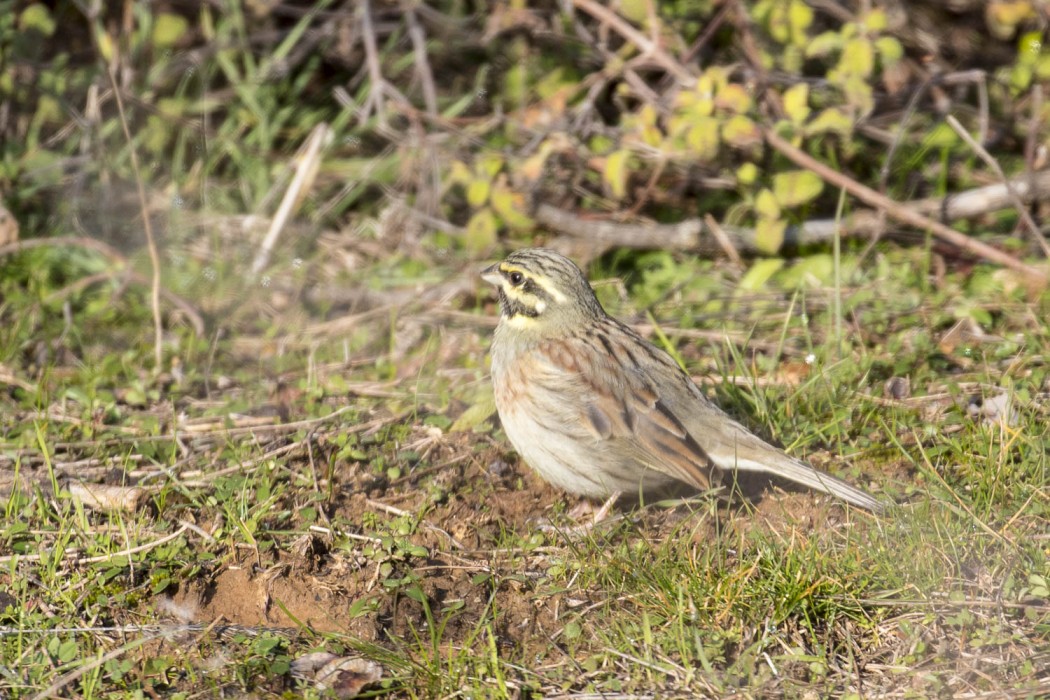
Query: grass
x=317, y=476
x=357, y=526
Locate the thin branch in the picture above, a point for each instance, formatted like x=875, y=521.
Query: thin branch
x=896, y=211
x=307, y=164
x=695, y=235
x=632, y=35
x=419, y=47
x=1022, y=210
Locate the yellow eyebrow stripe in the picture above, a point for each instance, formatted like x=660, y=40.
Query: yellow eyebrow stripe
x=540, y=282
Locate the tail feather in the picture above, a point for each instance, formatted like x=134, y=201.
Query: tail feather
x=781, y=465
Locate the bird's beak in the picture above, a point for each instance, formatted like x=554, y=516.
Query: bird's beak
x=491, y=275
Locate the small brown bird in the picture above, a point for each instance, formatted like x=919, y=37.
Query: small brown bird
x=598, y=410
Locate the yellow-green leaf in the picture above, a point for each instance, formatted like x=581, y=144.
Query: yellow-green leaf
x=510, y=206
x=831, y=120
x=858, y=93
x=1042, y=67
x=823, y=44
x=759, y=273
x=858, y=57
x=766, y=205
x=37, y=17
x=778, y=23
x=1030, y=47
x=941, y=136
x=481, y=231
x=800, y=16
x=1003, y=18
x=741, y=132
x=168, y=29
x=796, y=102
x=615, y=172
x=796, y=187
x=875, y=21
x=635, y=10
x=702, y=138
x=810, y=269
x=478, y=192
x=747, y=173
x=459, y=173
x=890, y=50
x=489, y=164
x=483, y=409
x=734, y=98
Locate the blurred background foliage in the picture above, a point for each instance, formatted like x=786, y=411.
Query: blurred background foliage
x=447, y=124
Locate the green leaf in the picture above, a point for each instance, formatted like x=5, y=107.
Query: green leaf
x=615, y=172
x=814, y=267
x=510, y=206
x=481, y=231
x=796, y=187
x=1029, y=48
x=37, y=17
x=483, y=409
x=734, y=98
x=766, y=205
x=489, y=164
x=741, y=132
x=478, y=192
x=747, y=173
x=67, y=651
x=759, y=274
x=831, y=120
x=890, y=50
x=800, y=16
x=876, y=20
x=858, y=57
x=796, y=102
x=823, y=44
x=168, y=29
x=702, y=138
x=415, y=593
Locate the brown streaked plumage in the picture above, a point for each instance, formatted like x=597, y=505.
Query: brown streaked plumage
x=597, y=410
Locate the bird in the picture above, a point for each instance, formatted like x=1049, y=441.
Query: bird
x=599, y=411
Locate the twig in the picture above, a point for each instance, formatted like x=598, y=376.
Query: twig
x=306, y=167
x=147, y=226
x=73, y=556
x=898, y=212
x=723, y=239
x=379, y=86
x=1022, y=210
x=419, y=47
x=624, y=29
x=693, y=234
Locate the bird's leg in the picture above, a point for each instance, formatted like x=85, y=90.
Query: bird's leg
x=580, y=511
x=603, y=512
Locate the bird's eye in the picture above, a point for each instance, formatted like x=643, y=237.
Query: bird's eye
x=516, y=278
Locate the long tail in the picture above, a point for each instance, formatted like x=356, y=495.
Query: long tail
x=804, y=474
x=778, y=464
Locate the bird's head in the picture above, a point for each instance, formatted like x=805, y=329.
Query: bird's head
x=540, y=289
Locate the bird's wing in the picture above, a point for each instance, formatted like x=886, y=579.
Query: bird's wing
x=644, y=401
x=732, y=447
x=619, y=403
